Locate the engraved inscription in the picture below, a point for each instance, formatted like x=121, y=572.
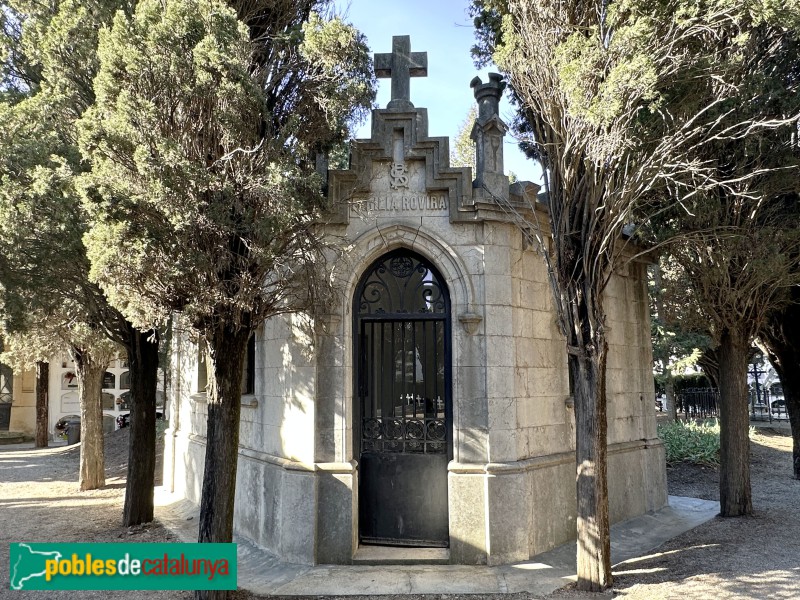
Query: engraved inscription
x=397, y=203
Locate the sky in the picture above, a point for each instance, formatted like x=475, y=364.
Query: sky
x=443, y=29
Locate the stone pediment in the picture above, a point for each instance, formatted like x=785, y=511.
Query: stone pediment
x=400, y=171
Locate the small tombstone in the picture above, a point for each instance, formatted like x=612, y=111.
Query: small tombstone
x=108, y=401
x=109, y=380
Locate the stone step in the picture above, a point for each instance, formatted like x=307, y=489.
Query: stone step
x=401, y=555
x=12, y=437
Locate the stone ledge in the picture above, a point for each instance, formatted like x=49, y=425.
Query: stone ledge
x=248, y=401
x=337, y=468
x=13, y=437
x=542, y=462
x=393, y=555
x=284, y=463
x=498, y=468
x=470, y=322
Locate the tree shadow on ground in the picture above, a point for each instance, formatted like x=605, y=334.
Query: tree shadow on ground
x=747, y=557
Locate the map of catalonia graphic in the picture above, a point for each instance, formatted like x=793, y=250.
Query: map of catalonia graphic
x=30, y=564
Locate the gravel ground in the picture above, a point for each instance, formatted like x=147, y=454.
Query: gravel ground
x=755, y=558
x=40, y=502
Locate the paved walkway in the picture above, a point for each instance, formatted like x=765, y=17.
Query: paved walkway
x=262, y=573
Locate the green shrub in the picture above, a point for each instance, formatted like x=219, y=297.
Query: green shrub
x=692, y=442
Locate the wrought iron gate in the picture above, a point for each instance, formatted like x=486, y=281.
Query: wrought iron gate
x=402, y=330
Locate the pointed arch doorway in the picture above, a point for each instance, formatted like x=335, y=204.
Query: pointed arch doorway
x=403, y=407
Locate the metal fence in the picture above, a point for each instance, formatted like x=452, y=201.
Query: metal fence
x=698, y=403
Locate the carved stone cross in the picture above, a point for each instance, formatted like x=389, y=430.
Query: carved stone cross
x=401, y=65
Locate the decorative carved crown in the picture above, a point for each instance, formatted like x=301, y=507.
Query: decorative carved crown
x=487, y=95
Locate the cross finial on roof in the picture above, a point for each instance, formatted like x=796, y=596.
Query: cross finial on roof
x=401, y=65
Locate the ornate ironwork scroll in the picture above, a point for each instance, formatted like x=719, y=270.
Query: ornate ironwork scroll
x=401, y=284
x=404, y=434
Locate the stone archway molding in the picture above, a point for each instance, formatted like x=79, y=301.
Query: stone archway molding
x=376, y=242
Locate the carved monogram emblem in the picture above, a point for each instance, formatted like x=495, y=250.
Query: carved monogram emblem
x=399, y=175
x=401, y=266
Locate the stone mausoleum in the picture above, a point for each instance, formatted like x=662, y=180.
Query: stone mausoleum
x=431, y=406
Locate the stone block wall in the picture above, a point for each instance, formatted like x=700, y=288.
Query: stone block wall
x=544, y=423
x=630, y=366
x=23, y=407
x=276, y=485
x=285, y=385
x=526, y=498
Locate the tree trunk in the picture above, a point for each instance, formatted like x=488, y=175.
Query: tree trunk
x=734, y=480
x=669, y=381
x=669, y=392
x=226, y=349
x=90, y=387
x=790, y=380
x=591, y=450
x=143, y=361
x=782, y=340
x=42, y=413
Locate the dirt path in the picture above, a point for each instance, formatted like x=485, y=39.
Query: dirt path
x=754, y=558
x=40, y=502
